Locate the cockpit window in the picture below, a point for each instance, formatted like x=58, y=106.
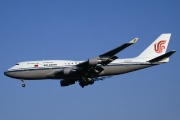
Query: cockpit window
x=17, y=64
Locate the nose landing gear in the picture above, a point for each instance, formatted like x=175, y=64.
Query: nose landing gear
x=23, y=84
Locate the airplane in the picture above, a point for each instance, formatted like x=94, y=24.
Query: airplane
x=94, y=69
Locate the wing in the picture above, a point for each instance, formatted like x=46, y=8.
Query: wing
x=93, y=67
x=89, y=71
x=118, y=49
x=105, y=58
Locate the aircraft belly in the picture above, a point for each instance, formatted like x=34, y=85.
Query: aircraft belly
x=30, y=75
x=114, y=70
x=42, y=74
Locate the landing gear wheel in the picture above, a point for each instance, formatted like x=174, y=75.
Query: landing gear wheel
x=23, y=85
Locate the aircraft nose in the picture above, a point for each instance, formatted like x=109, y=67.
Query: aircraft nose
x=6, y=73
x=11, y=74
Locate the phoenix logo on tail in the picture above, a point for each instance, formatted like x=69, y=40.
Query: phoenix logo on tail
x=158, y=47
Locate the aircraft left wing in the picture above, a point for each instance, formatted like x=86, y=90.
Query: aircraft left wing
x=107, y=57
x=92, y=68
x=89, y=70
x=118, y=49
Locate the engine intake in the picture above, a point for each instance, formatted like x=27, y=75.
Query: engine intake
x=67, y=71
x=94, y=61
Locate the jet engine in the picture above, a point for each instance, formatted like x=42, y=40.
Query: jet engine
x=67, y=82
x=67, y=71
x=94, y=61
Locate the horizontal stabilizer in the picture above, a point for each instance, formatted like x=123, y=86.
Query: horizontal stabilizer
x=162, y=57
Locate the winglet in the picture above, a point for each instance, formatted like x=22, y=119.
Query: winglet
x=120, y=48
x=134, y=40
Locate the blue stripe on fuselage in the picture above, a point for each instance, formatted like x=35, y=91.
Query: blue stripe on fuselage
x=61, y=68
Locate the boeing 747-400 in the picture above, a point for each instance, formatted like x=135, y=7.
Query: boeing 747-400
x=93, y=69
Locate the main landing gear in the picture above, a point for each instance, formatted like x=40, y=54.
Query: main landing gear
x=86, y=81
x=23, y=84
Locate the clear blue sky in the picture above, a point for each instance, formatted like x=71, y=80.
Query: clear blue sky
x=78, y=30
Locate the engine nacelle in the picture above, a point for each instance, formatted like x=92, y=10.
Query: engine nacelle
x=67, y=82
x=67, y=71
x=94, y=61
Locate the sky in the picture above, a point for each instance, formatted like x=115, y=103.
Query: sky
x=78, y=30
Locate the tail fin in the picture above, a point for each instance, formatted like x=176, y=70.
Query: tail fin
x=157, y=48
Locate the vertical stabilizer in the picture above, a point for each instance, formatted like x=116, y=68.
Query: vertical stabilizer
x=157, y=48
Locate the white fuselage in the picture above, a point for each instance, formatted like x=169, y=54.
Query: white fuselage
x=33, y=70
x=93, y=69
